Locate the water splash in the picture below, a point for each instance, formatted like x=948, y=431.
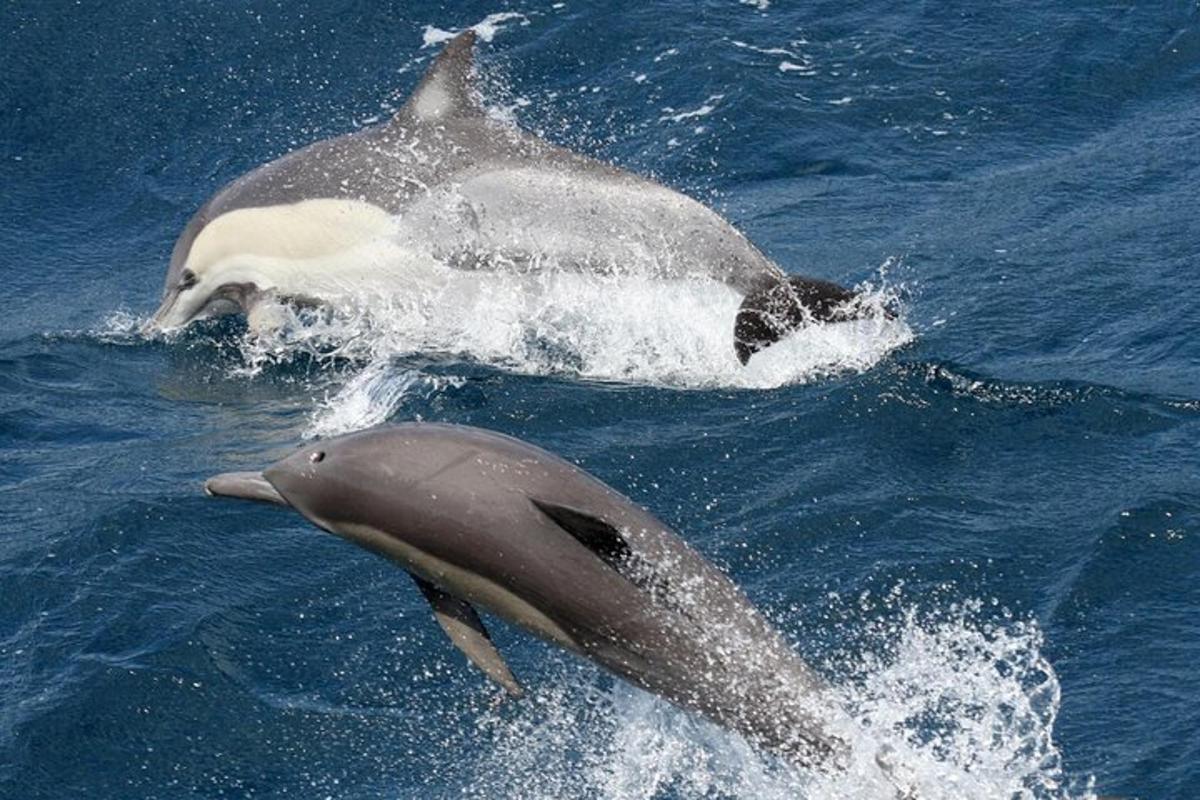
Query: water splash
x=120, y=327
x=637, y=330
x=956, y=707
x=630, y=329
x=373, y=396
x=486, y=28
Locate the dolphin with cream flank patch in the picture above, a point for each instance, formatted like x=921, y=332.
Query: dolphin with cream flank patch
x=443, y=186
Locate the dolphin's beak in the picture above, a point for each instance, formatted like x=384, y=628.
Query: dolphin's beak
x=159, y=321
x=245, y=486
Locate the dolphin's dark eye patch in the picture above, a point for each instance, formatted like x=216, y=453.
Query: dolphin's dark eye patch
x=317, y=457
x=187, y=280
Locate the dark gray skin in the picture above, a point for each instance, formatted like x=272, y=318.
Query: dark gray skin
x=475, y=193
x=470, y=512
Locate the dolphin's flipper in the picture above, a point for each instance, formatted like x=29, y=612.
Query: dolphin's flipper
x=592, y=532
x=460, y=622
x=767, y=315
x=610, y=546
x=447, y=89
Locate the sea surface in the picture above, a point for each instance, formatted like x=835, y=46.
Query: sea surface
x=980, y=521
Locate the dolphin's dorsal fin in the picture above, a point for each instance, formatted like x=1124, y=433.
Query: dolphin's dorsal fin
x=447, y=90
x=460, y=622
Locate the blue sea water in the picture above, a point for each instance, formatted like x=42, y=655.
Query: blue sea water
x=980, y=522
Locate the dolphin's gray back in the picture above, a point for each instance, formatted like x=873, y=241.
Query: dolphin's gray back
x=462, y=182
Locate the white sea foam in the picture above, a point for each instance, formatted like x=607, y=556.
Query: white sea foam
x=956, y=708
x=771, y=51
x=804, y=69
x=373, y=396
x=627, y=329
x=120, y=327
x=486, y=28
x=706, y=108
x=676, y=334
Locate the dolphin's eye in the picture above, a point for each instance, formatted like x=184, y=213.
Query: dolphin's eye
x=317, y=457
x=187, y=280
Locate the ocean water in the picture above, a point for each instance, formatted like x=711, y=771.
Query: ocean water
x=980, y=521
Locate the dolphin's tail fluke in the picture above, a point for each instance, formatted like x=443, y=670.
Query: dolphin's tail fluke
x=769, y=314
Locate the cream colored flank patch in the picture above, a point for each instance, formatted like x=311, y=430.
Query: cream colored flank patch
x=309, y=229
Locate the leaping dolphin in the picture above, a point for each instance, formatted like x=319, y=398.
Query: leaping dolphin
x=482, y=519
x=443, y=186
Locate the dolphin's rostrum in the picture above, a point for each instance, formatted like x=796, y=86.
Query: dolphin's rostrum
x=444, y=186
x=481, y=519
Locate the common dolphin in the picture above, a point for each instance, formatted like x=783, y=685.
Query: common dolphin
x=482, y=519
x=443, y=185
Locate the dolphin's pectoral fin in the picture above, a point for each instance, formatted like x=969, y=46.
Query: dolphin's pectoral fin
x=769, y=314
x=448, y=86
x=592, y=532
x=460, y=622
x=610, y=545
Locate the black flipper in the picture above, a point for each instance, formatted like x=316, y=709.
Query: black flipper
x=766, y=316
x=592, y=532
x=460, y=622
x=609, y=545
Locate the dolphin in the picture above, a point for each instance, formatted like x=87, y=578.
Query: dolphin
x=444, y=186
x=480, y=519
